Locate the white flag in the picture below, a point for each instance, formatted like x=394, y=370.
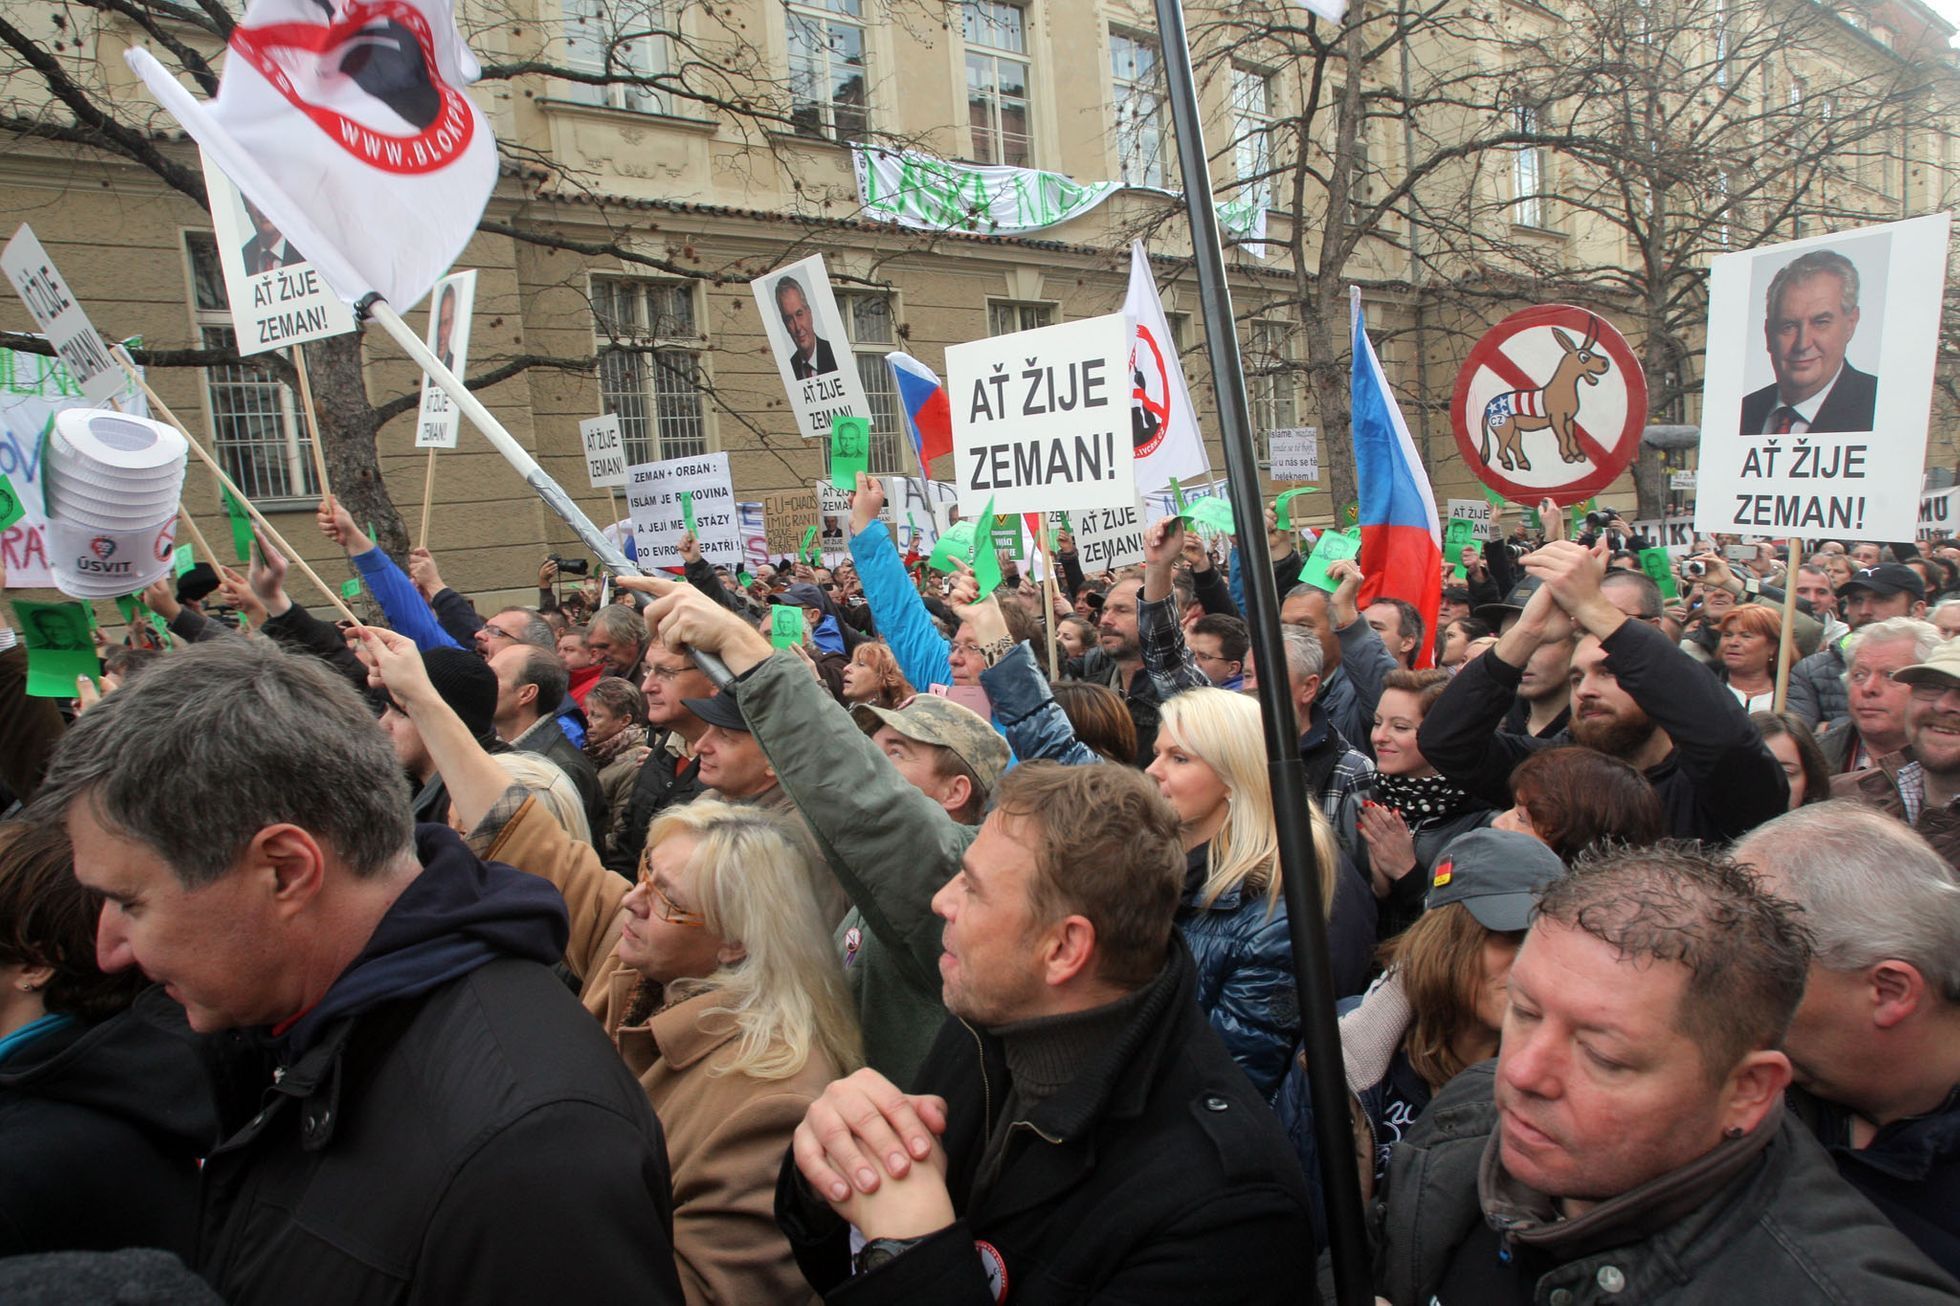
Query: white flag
x=1163, y=424
x=352, y=134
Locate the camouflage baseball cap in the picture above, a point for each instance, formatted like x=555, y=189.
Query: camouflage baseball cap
x=930, y=719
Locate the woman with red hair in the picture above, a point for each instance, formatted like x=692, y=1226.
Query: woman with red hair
x=1750, y=635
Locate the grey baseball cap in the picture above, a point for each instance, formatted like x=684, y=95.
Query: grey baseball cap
x=930, y=719
x=1497, y=874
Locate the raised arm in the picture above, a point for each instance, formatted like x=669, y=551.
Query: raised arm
x=1159, y=636
x=406, y=610
x=900, y=614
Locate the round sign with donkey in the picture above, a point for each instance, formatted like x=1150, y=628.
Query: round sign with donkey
x=1550, y=404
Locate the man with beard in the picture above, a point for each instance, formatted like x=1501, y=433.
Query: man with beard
x=1921, y=785
x=1117, y=661
x=1635, y=696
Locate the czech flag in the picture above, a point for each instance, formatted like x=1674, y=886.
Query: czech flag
x=1401, y=549
x=928, y=416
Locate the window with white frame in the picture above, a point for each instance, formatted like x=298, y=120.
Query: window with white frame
x=620, y=42
x=1006, y=316
x=827, y=70
x=255, y=420
x=1270, y=376
x=1252, y=124
x=997, y=78
x=1136, y=73
x=650, y=350
x=1527, y=172
x=869, y=323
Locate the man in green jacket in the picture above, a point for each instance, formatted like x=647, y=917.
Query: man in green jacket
x=893, y=801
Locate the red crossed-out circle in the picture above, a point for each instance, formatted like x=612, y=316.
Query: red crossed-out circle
x=1607, y=452
x=1140, y=395
x=433, y=148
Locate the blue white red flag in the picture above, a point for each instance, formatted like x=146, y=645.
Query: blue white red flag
x=1401, y=548
x=928, y=416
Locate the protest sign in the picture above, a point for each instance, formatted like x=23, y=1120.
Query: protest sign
x=1819, y=381
x=80, y=348
x=1550, y=404
x=277, y=298
x=1164, y=503
x=1105, y=538
x=1675, y=535
x=800, y=318
x=1294, y=453
x=1165, y=442
x=439, y=421
x=785, y=517
x=1939, y=513
x=834, y=516
x=1681, y=480
x=917, y=513
x=1041, y=419
x=850, y=451
x=1330, y=548
x=653, y=493
x=605, y=451
x=1479, y=513
x=33, y=388
x=786, y=625
x=1457, y=535
x=59, y=647
x=1658, y=565
x=755, y=534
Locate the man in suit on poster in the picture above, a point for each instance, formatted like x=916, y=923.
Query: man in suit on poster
x=1809, y=320
x=813, y=356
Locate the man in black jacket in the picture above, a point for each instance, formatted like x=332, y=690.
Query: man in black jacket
x=1635, y=696
x=1079, y=1132
x=421, y=1112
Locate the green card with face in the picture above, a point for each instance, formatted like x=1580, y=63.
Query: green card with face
x=1331, y=548
x=850, y=451
x=58, y=646
x=1459, y=533
x=786, y=626
x=182, y=560
x=1658, y=565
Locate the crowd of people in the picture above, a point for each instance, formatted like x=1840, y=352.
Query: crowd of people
x=941, y=955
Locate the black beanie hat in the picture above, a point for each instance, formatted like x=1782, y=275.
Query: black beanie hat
x=465, y=682
x=194, y=584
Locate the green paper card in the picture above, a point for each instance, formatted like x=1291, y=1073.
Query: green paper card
x=1532, y=520
x=786, y=626
x=1007, y=537
x=955, y=542
x=351, y=588
x=1658, y=565
x=1066, y=526
x=1177, y=496
x=371, y=538
x=1283, y=506
x=11, y=508
x=1456, y=535
x=1331, y=548
x=162, y=628
x=810, y=545
x=182, y=560
x=986, y=562
x=58, y=646
x=241, y=527
x=687, y=512
x=1212, y=515
x=742, y=577
x=130, y=606
x=1495, y=499
x=850, y=451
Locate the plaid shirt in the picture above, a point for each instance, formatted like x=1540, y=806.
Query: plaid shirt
x=1912, y=791
x=1166, y=657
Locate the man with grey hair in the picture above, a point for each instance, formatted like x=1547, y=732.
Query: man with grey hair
x=1809, y=319
x=1921, y=784
x=531, y=687
x=617, y=638
x=1875, y=1046
x=1630, y=1142
x=412, y=1062
x=1875, y=725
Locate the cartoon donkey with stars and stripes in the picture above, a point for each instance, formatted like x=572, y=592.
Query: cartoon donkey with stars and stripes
x=1554, y=405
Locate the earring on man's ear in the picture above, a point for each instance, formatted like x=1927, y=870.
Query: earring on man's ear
x=1733, y=1131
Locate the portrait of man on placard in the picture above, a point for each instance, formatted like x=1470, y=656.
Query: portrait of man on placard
x=811, y=354
x=1823, y=313
x=443, y=346
x=268, y=247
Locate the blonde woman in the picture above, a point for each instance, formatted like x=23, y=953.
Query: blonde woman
x=713, y=975
x=1210, y=765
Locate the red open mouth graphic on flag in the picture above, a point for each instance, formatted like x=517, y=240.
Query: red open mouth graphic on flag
x=383, y=50
x=103, y=547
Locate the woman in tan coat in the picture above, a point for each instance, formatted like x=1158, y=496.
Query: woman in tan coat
x=714, y=976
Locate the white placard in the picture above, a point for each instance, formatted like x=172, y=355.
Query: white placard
x=1041, y=419
x=1849, y=349
x=917, y=521
x=1476, y=511
x=1105, y=538
x=1939, y=513
x=1681, y=480
x=79, y=346
x=1676, y=534
x=605, y=450
x=813, y=353
x=33, y=388
x=755, y=537
x=454, y=299
x=277, y=298
x=653, y=493
x=1162, y=503
x=1295, y=453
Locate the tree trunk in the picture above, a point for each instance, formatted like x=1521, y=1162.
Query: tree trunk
x=348, y=431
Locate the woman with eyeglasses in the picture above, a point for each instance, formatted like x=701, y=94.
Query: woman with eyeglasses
x=713, y=974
